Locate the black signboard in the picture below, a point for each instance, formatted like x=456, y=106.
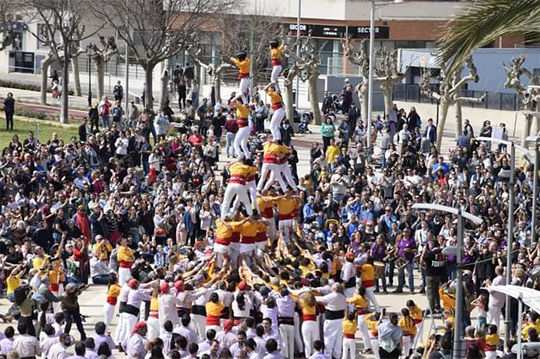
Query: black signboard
x=318, y=30
x=356, y=32
x=360, y=32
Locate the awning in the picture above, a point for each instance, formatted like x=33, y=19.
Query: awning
x=529, y=296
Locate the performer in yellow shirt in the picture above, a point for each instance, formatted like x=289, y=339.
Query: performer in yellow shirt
x=349, y=332
x=406, y=323
x=372, y=323
x=276, y=100
x=112, y=298
x=248, y=230
x=417, y=316
x=240, y=143
x=224, y=232
x=240, y=170
x=287, y=212
x=153, y=316
x=276, y=52
x=272, y=155
x=361, y=309
x=125, y=258
x=261, y=238
x=266, y=204
x=368, y=282
x=243, y=64
x=213, y=311
x=492, y=342
x=310, y=326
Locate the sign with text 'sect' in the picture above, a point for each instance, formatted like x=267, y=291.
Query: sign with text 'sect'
x=358, y=32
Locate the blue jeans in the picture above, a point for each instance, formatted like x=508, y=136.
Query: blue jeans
x=401, y=276
x=229, y=140
x=106, y=121
x=101, y=279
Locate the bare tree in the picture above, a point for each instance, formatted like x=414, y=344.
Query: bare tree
x=359, y=57
x=251, y=32
x=7, y=33
x=213, y=72
x=309, y=71
x=531, y=96
x=62, y=31
x=157, y=30
x=388, y=73
x=450, y=94
x=101, y=54
x=386, y=70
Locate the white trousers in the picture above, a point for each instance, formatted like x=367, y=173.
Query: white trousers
x=271, y=230
x=310, y=333
x=153, y=328
x=275, y=75
x=275, y=174
x=244, y=88
x=235, y=189
x=200, y=326
x=286, y=226
x=349, y=348
x=128, y=323
x=370, y=296
x=275, y=122
x=108, y=313
x=240, y=144
x=123, y=275
x=491, y=355
x=407, y=346
x=364, y=331
x=252, y=192
x=234, y=252
x=297, y=337
x=333, y=335
x=119, y=332
x=494, y=315
x=287, y=338
x=375, y=347
x=286, y=171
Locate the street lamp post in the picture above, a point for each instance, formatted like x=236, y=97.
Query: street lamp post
x=374, y=6
x=535, y=140
x=298, y=51
x=457, y=251
x=510, y=237
x=89, y=52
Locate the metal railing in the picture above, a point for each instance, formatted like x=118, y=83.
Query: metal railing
x=493, y=101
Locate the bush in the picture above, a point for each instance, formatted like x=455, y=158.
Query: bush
x=23, y=112
x=25, y=86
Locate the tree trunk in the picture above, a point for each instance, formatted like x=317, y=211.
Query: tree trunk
x=535, y=125
x=253, y=83
x=445, y=105
x=45, y=64
x=526, y=130
x=100, y=70
x=289, y=100
x=149, y=78
x=217, y=87
x=164, y=88
x=76, y=75
x=459, y=119
x=363, y=94
x=386, y=90
x=64, y=107
x=314, y=99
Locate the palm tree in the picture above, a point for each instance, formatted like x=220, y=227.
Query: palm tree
x=483, y=21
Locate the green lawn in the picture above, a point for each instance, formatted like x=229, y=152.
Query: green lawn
x=44, y=134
